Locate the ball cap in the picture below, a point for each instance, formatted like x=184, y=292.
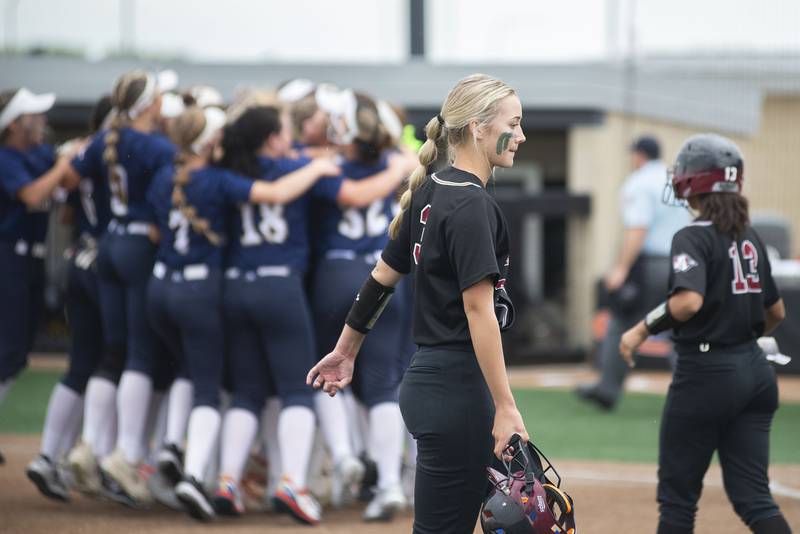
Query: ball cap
x=647, y=145
x=25, y=102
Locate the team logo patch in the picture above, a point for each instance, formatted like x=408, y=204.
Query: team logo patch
x=682, y=263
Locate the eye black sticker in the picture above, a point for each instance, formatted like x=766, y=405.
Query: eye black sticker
x=502, y=142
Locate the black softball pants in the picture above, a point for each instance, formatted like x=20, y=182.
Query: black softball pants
x=722, y=400
x=447, y=407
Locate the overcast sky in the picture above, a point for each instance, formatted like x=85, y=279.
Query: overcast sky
x=376, y=30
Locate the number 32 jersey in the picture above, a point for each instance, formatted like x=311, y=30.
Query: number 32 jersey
x=354, y=230
x=734, y=277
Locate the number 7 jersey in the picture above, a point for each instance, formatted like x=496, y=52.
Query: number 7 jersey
x=734, y=277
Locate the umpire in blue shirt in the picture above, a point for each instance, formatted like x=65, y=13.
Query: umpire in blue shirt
x=636, y=282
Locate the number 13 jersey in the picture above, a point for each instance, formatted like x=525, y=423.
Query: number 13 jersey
x=734, y=277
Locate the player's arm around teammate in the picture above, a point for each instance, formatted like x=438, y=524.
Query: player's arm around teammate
x=456, y=395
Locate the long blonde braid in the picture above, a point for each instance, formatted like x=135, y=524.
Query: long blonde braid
x=186, y=128
x=476, y=97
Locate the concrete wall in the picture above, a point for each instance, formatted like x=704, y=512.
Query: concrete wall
x=598, y=161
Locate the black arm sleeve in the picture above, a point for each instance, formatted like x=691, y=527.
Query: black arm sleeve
x=689, y=262
x=470, y=237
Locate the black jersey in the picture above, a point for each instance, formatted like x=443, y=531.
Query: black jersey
x=734, y=278
x=453, y=235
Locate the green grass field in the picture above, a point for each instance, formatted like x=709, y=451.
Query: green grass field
x=558, y=421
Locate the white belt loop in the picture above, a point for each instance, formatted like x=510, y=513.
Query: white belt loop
x=21, y=247
x=340, y=255
x=273, y=270
x=159, y=270
x=39, y=251
x=138, y=228
x=232, y=273
x=195, y=272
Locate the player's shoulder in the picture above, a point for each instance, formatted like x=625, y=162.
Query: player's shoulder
x=697, y=231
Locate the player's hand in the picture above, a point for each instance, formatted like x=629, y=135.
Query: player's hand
x=326, y=167
x=507, y=422
x=333, y=373
x=631, y=340
x=616, y=278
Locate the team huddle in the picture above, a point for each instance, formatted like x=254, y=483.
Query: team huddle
x=220, y=249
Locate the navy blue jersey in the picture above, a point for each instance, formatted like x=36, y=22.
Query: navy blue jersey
x=139, y=156
x=15, y=173
x=92, y=209
x=357, y=230
x=210, y=192
x=41, y=159
x=275, y=234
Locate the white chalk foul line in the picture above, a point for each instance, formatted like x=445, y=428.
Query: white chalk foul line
x=607, y=478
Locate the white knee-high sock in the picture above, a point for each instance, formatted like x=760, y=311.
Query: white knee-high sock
x=386, y=435
x=107, y=437
x=238, y=430
x=133, y=403
x=357, y=421
x=64, y=403
x=5, y=386
x=269, y=432
x=181, y=398
x=213, y=469
x=332, y=416
x=296, y=437
x=99, y=414
x=73, y=430
x=204, y=423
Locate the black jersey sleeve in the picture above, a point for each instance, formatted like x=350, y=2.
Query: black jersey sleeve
x=470, y=242
x=690, y=258
x=397, y=252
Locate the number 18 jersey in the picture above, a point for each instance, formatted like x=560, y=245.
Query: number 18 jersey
x=734, y=277
x=277, y=234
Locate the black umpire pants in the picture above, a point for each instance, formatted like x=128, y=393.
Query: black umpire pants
x=722, y=400
x=447, y=407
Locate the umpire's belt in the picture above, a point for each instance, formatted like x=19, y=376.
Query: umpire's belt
x=189, y=273
x=234, y=273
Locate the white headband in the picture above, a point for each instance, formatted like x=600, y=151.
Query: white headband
x=145, y=99
x=215, y=120
x=390, y=120
x=24, y=102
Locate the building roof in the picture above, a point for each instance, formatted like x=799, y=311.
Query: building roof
x=721, y=93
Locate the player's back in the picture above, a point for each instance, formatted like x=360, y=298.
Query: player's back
x=734, y=277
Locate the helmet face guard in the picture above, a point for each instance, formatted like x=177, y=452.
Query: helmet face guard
x=525, y=500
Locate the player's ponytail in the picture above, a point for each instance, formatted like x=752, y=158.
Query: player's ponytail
x=133, y=92
x=191, y=132
x=474, y=98
x=729, y=212
x=428, y=153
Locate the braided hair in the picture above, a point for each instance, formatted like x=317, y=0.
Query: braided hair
x=127, y=91
x=185, y=131
x=475, y=97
